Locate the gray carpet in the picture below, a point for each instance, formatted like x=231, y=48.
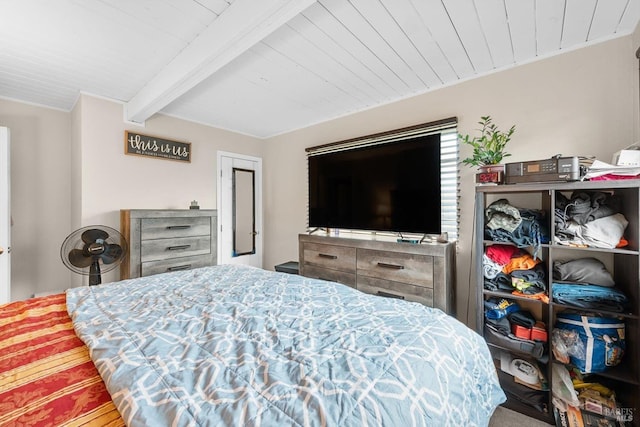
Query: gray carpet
x=503, y=417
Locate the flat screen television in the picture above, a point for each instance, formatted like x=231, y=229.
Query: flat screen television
x=392, y=187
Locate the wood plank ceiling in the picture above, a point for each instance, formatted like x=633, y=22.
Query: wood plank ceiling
x=267, y=67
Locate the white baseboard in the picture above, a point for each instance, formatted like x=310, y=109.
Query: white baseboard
x=47, y=293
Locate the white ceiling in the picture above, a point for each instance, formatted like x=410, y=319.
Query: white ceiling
x=265, y=67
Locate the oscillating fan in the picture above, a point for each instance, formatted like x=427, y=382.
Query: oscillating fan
x=86, y=249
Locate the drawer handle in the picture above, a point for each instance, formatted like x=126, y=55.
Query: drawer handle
x=328, y=256
x=388, y=295
x=177, y=227
x=179, y=267
x=391, y=266
x=177, y=248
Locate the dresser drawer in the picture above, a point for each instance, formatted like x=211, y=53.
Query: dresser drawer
x=174, y=264
x=330, y=256
x=387, y=288
x=165, y=228
x=401, y=267
x=343, y=277
x=160, y=249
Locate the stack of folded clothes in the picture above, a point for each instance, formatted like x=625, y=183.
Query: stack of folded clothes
x=522, y=227
x=508, y=268
x=513, y=328
x=590, y=219
x=586, y=283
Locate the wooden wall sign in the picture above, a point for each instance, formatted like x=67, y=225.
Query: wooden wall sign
x=152, y=146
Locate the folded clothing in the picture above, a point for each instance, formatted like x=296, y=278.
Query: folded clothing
x=586, y=206
x=500, y=214
x=502, y=282
x=501, y=325
x=583, y=270
x=511, y=342
x=530, y=281
x=589, y=296
x=522, y=318
x=524, y=261
x=490, y=268
x=496, y=308
x=522, y=227
x=501, y=254
x=605, y=232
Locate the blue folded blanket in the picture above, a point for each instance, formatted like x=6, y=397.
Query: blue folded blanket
x=589, y=296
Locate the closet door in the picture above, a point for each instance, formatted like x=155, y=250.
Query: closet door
x=239, y=209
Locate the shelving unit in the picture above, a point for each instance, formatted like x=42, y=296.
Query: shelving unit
x=622, y=263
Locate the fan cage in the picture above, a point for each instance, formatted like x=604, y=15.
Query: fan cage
x=74, y=241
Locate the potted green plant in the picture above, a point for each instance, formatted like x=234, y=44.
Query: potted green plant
x=489, y=147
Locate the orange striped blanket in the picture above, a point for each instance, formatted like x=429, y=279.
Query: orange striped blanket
x=46, y=375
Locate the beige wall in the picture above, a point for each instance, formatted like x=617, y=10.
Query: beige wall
x=40, y=195
x=112, y=180
x=580, y=103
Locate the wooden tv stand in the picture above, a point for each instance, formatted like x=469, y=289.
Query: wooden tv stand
x=423, y=273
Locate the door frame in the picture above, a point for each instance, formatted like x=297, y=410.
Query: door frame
x=5, y=215
x=259, y=256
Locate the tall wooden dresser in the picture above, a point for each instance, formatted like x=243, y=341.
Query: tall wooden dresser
x=168, y=240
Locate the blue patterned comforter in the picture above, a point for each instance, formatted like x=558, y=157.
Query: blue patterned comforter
x=241, y=346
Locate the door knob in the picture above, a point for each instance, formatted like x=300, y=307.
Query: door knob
x=254, y=233
x=1, y=250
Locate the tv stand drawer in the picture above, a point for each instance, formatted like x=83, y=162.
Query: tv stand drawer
x=343, y=277
x=330, y=256
x=389, y=289
x=401, y=267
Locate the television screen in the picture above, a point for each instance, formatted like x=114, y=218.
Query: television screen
x=393, y=187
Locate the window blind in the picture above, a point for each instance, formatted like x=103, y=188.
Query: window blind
x=449, y=182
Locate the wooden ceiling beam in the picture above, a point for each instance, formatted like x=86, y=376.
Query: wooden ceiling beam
x=237, y=29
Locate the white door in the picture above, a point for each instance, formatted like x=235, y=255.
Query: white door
x=5, y=217
x=239, y=209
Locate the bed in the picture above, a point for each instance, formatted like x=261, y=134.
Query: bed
x=235, y=345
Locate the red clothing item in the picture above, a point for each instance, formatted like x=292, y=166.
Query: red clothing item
x=501, y=254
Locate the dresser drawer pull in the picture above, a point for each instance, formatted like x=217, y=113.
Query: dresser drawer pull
x=179, y=267
x=177, y=248
x=391, y=266
x=388, y=295
x=328, y=256
x=177, y=227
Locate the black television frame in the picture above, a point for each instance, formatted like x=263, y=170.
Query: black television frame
x=430, y=131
